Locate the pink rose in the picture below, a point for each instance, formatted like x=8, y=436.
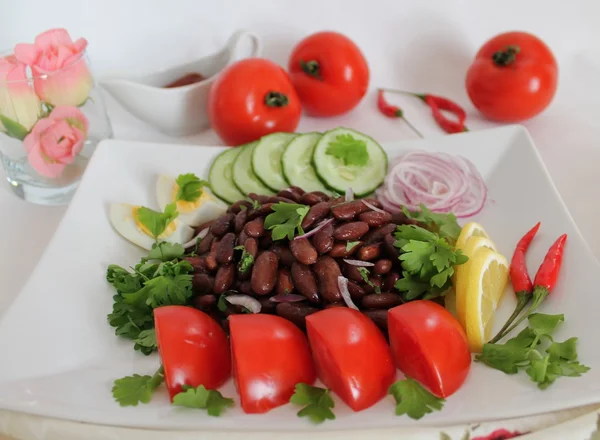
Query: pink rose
x=56, y=140
x=61, y=76
x=18, y=101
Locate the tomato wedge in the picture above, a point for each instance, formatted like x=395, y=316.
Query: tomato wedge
x=193, y=348
x=270, y=356
x=429, y=345
x=351, y=356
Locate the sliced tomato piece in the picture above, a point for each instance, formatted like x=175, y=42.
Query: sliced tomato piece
x=270, y=356
x=351, y=356
x=429, y=345
x=193, y=347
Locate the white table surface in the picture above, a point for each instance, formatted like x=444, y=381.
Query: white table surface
x=419, y=46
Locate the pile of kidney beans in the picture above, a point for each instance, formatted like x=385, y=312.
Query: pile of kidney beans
x=308, y=266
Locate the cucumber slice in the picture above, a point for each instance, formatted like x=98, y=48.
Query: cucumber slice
x=266, y=159
x=296, y=163
x=338, y=176
x=243, y=175
x=220, y=176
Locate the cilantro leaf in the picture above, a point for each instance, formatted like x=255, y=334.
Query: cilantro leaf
x=164, y=251
x=210, y=400
x=190, y=187
x=222, y=303
x=246, y=260
x=285, y=219
x=147, y=338
x=417, y=258
x=563, y=350
x=255, y=204
x=316, y=401
x=351, y=244
x=131, y=390
x=349, y=150
x=544, y=324
x=157, y=222
x=165, y=290
x=364, y=273
x=414, y=400
x=445, y=225
x=412, y=288
x=123, y=280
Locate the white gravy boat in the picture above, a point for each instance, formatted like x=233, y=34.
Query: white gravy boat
x=179, y=111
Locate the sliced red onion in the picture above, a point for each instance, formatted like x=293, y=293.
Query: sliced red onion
x=373, y=207
x=287, y=297
x=192, y=242
x=343, y=286
x=349, y=195
x=315, y=230
x=359, y=263
x=440, y=181
x=245, y=301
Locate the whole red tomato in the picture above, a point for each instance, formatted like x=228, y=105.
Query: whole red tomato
x=329, y=73
x=252, y=98
x=429, y=345
x=193, y=347
x=270, y=356
x=351, y=356
x=513, y=77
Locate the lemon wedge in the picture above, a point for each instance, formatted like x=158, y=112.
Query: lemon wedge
x=471, y=229
x=461, y=274
x=486, y=283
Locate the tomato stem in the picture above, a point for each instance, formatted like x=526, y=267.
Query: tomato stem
x=507, y=56
x=311, y=68
x=276, y=99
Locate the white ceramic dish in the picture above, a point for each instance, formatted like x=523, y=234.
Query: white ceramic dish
x=179, y=111
x=59, y=356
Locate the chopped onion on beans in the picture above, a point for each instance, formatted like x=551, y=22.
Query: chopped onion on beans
x=343, y=286
x=359, y=263
x=372, y=207
x=201, y=235
x=315, y=230
x=245, y=301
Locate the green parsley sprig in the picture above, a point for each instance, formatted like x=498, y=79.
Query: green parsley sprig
x=316, y=401
x=246, y=260
x=211, y=400
x=155, y=221
x=526, y=351
x=351, y=151
x=364, y=273
x=132, y=390
x=445, y=225
x=413, y=399
x=190, y=187
x=286, y=219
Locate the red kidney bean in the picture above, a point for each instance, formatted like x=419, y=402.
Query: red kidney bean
x=348, y=210
x=285, y=283
x=203, y=226
x=376, y=282
x=205, y=302
x=264, y=274
x=205, y=243
x=323, y=239
x=375, y=235
x=350, y=231
x=222, y=225
x=356, y=292
x=340, y=250
x=295, y=313
x=288, y=194
x=260, y=212
x=315, y=213
x=284, y=254
x=266, y=241
x=314, y=197
x=255, y=228
x=211, y=263
x=369, y=252
x=375, y=219
x=246, y=288
x=266, y=305
x=224, y=278
x=390, y=280
x=399, y=218
x=327, y=272
x=389, y=248
x=237, y=206
x=198, y=263
x=382, y=267
x=385, y=300
x=242, y=238
x=224, y=251
x=379, y=317
x=305, y=282
x=303, y=251
x=240, y=221
x=202, y=283
x=251, y=246
x=296, y=190
x=352, y=273
x=260, y=198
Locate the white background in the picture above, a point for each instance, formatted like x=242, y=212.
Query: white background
x=415, y=45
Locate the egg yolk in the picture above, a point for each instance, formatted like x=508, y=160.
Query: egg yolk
x=171, y=227
x=186, y=207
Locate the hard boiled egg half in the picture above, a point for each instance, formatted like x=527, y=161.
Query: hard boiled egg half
x=124, y=218
x=204, y=208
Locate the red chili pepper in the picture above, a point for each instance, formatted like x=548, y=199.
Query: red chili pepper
x=520, y=279
x=437, y=104
x=545, y=279
x=501, y=434
x=393, y=111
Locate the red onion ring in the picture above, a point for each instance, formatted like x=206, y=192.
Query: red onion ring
x=192, y=242
x=287, y=297
x=246, y=301
x=315, y=230
x=358, y=263
x=343, y=286
x=440, y=181
x=372, y=207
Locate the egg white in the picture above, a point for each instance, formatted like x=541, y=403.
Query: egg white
x=209, y=209
x=121, y=218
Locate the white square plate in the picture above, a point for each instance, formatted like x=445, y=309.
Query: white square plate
x=59, y=357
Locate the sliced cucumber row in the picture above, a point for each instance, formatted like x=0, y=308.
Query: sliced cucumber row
x=311, y=161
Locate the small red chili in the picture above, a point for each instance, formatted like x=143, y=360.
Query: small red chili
x=545, y=279
x=437, y=104
x=393, y=111
x=500, y=434
x=520, y=278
